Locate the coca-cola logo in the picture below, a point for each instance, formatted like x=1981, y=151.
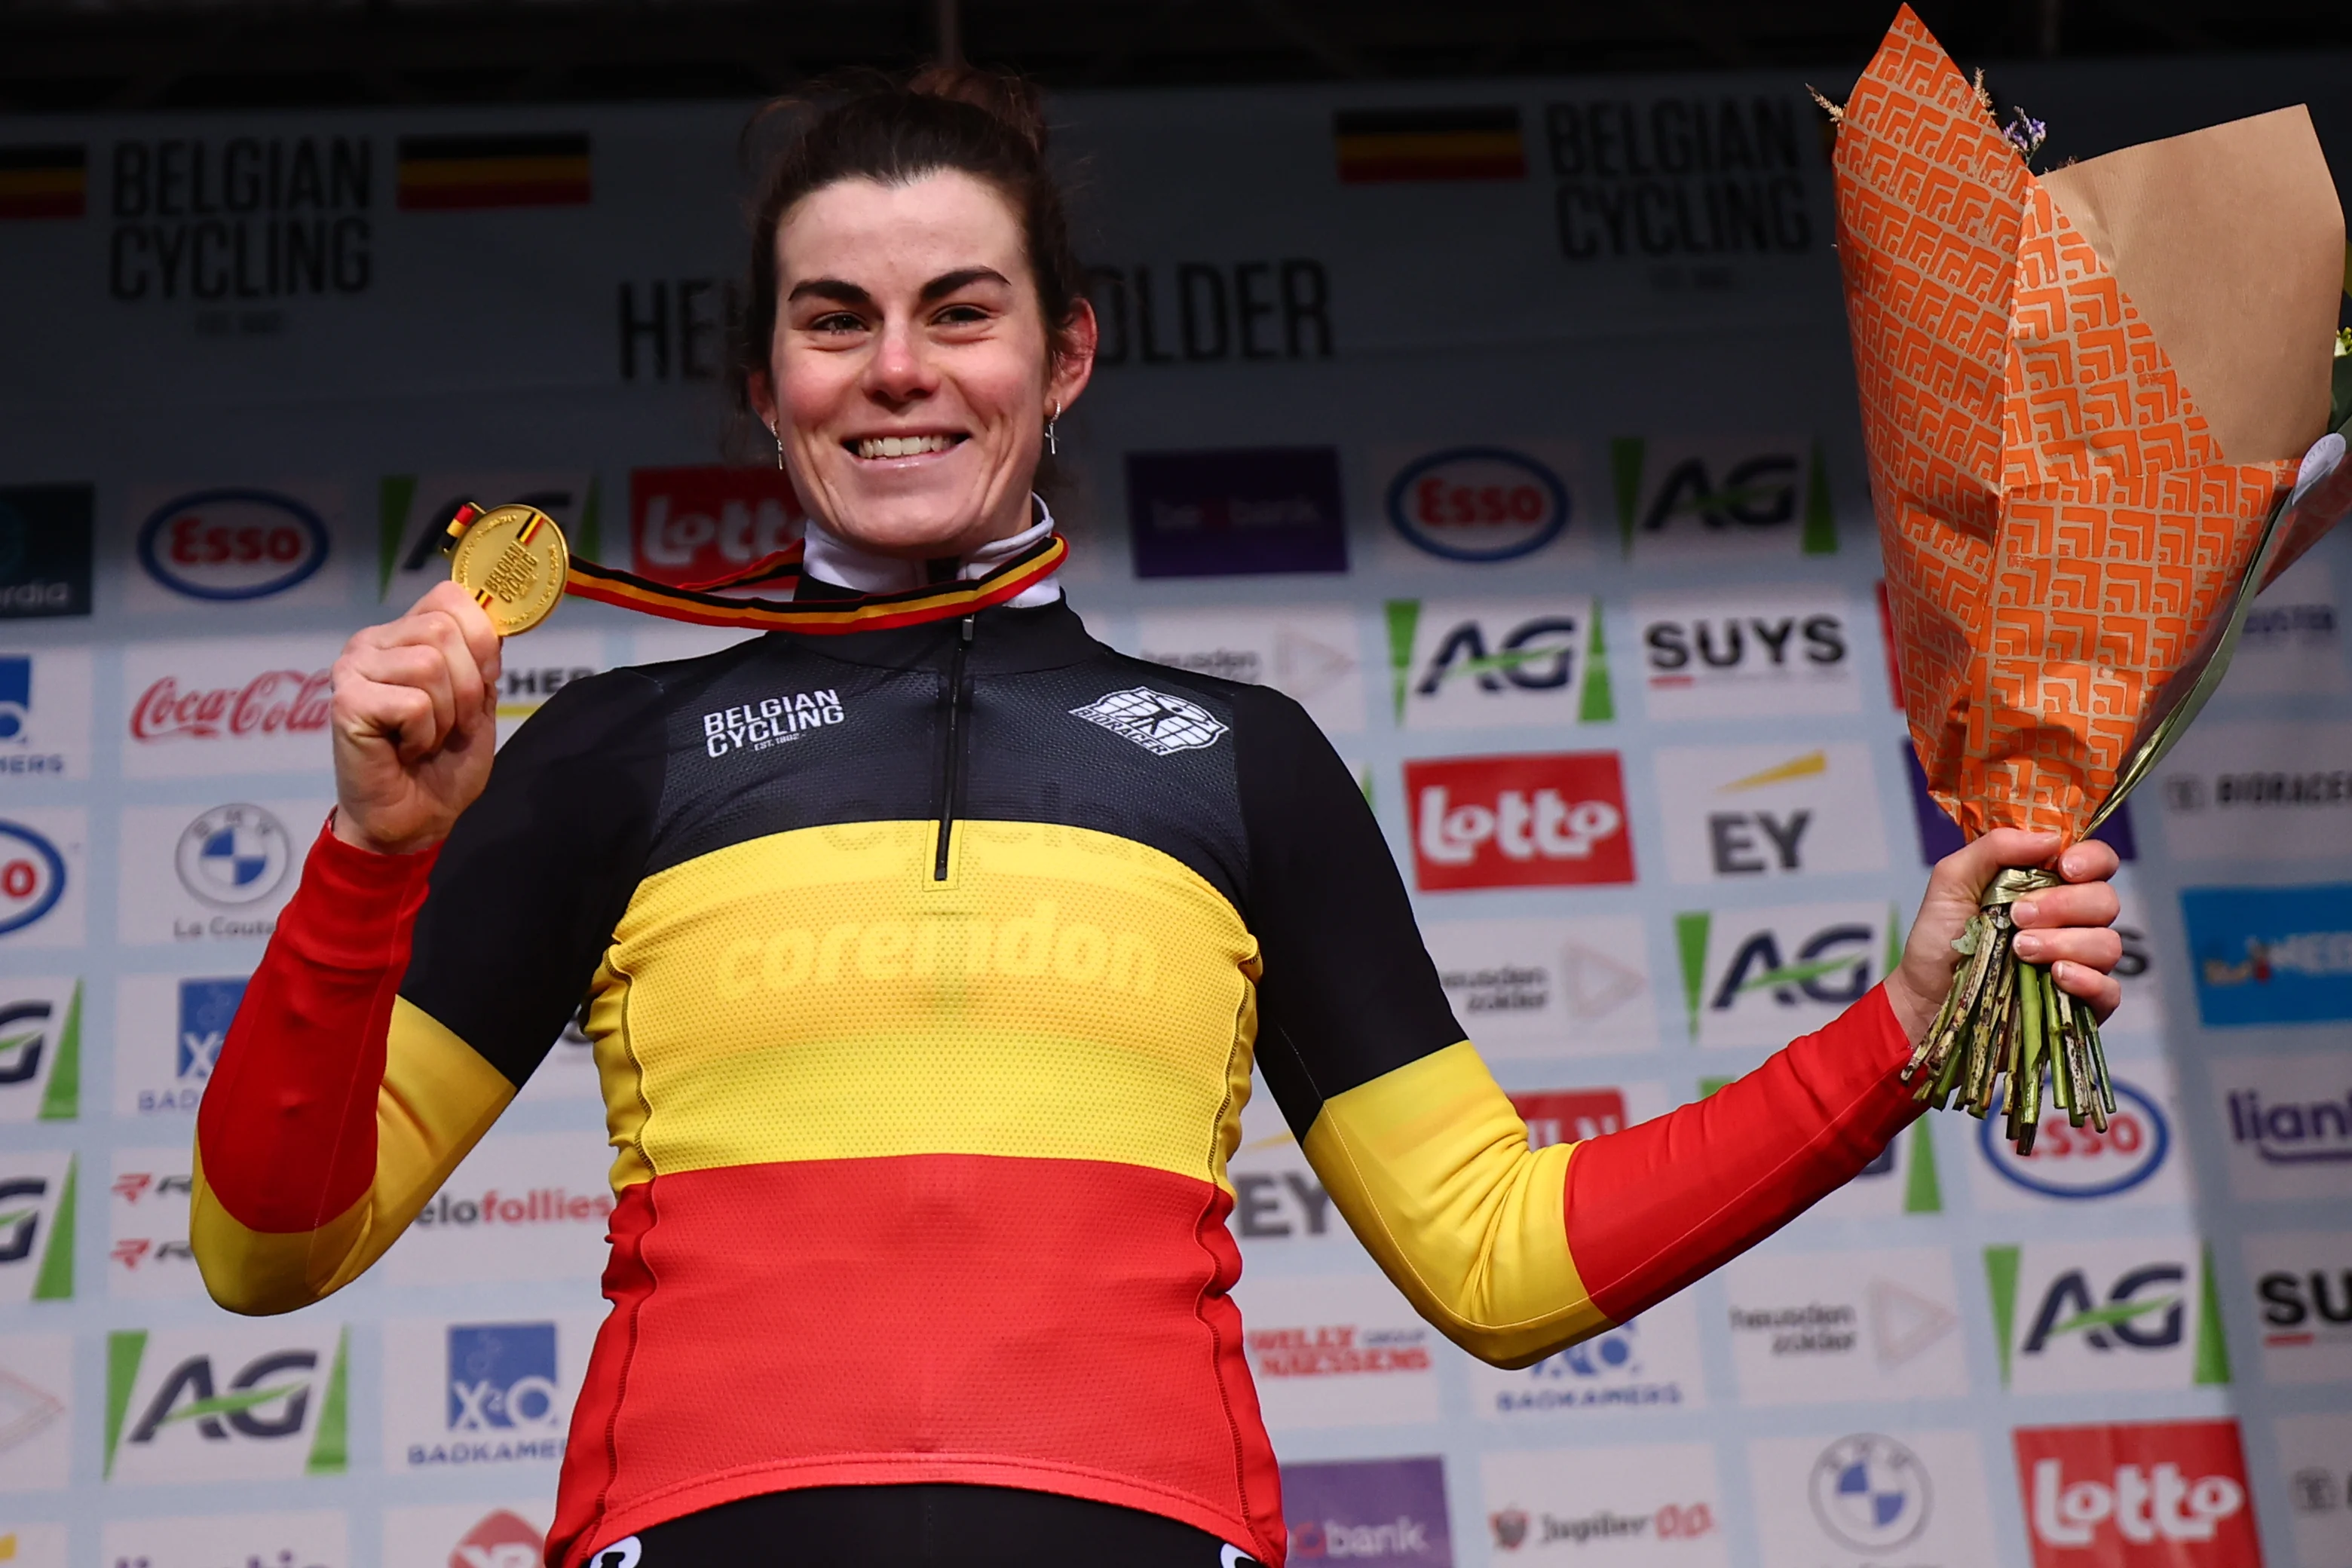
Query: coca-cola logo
x=2148, y=1494
x=275, y=702
x=1519, y=821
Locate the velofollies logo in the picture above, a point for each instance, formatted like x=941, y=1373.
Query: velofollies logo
x=1467, y=663
x=266, y=1402
x=1760, y=977
x=1769, y=494
x=36, y=1226
x=2107, y=1315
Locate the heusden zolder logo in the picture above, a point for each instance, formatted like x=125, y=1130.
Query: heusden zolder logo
x=46, y=537
x=262, y=1402
x=36, y=1226
x=2270, y=955
x=1547, y=819
x=1477, y=505
x=1870, y=1493
x=32, y=876
x=1469, y=663
x=2099, y=1315
x=233, y=545
x=1763, y=976
x=40, y=1049
x=2142, y=1494
x=1706, y=495
x=1771, y=650
x=692, y=526
x=1236, y=511
x=1389, y=1511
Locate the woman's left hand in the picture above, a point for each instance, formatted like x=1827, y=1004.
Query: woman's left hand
x=2065, y=928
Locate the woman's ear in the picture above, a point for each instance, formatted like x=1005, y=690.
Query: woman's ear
x=762, y=392
x=1073, y=350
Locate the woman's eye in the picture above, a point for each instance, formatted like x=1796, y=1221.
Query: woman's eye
x=837, y=321
x=961, y=315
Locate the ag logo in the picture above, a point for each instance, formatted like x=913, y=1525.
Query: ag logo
x=233, y=854
x=2105, y=1315
x=32, y=876
x=232, y=544
x=1478, y=504
x=40, y=1050
x=1760, y=977
x=36, y=1226
x=1708, y=493
x=1477, y=662
x=1870, y=1492
x=2072, y=1163
x=210, y=1405
x=1769, y=811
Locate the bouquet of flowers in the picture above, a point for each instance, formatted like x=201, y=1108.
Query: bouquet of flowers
x=2090, y=399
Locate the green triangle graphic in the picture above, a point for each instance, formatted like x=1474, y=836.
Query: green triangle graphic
x=1599, y=703
x=1690, y=938
x=591, y=530
x=1625, y=470
x=1405, y=619
x=395, y=494
x=1821, y=513
x=331, y=1450
x=61, y=1100
x=1708, y=1086
x=1923, y=1193
x=2212, y=1348
x=55, y=1281
x=2000, y=1275
x=1364, y=782
x=124, y=1349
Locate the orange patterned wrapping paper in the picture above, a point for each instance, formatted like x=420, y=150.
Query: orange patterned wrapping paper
x=2058, y=522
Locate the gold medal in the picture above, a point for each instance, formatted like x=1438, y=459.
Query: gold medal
x=513, y=561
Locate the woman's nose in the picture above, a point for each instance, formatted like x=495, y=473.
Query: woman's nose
x=899, y=370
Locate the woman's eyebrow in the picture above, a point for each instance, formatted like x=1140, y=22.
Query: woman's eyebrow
x=947, y=283
x=833, y=288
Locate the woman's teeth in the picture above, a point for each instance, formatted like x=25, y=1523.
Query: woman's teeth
x=902, y=445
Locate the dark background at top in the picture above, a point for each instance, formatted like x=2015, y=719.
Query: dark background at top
x=116, y=55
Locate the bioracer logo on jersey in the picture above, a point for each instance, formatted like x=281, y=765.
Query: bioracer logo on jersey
x=1161, y=724
x=770, y=722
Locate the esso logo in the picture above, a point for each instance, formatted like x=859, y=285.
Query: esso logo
x=32, y=876
x=2071, y=1162
x=1478, y=503
x=232, y=544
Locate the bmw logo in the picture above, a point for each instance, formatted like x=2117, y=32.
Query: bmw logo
x=1870, y=1492
x=233, y=854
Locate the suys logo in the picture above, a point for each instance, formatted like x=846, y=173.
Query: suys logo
x=2144, y=1494
x=1467, y=663
x=1478, y=504
x=1769, y=490
x=233, y=545
x=1770, y=651
x=1546, y=819
x=36, y=1226
x=2107, y=1315
x=233, y=854
x=267, y=1403
x=2271, y=955
x=1760, y=977
x=40, y=1050
x=1161, y=724
x=1870, y=1493
x=32, y=876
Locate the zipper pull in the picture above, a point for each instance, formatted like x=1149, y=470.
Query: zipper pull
x=964, y=633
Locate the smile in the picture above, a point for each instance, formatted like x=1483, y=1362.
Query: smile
x=870, y=447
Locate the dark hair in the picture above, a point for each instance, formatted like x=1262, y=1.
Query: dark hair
x=984, y=123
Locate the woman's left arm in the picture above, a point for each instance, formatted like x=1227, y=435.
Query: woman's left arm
x=1512, y=1252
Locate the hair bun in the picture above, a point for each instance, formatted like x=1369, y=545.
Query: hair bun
x=1004, y=97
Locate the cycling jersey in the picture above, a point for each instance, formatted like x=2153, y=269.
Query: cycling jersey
x=925, y=971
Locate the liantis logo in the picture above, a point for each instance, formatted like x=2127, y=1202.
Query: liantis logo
x=2291, y=1132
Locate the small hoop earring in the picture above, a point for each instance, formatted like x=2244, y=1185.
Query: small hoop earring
x=1053, y=445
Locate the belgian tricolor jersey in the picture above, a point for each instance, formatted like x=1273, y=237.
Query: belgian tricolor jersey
x=926, y=970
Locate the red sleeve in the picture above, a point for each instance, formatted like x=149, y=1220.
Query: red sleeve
x=287, y=1130
x=1655, y=1206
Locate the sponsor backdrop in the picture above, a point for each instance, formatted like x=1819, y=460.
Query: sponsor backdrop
x=1508, y=427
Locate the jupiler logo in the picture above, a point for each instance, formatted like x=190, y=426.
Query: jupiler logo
x=1161, y=724
x=770, y=721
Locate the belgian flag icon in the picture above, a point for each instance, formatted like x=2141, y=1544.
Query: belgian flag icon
x=44, y=182
x=446, y=172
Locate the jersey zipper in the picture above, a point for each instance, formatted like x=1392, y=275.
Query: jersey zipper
x=951, y=773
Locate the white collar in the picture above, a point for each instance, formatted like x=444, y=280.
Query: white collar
x=838, y=561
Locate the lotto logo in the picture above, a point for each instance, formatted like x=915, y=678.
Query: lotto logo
x=2151, y=1494
x=1523, y=821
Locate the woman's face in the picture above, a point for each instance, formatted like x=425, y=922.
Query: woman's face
x=910, y=369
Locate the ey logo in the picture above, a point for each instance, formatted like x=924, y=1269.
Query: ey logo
x=2105, y=1315
x=1711, y=493
x=204, y=1405
x=1460, y=664
x=1760, y=977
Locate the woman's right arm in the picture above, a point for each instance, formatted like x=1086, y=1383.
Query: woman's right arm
x=446, y=924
